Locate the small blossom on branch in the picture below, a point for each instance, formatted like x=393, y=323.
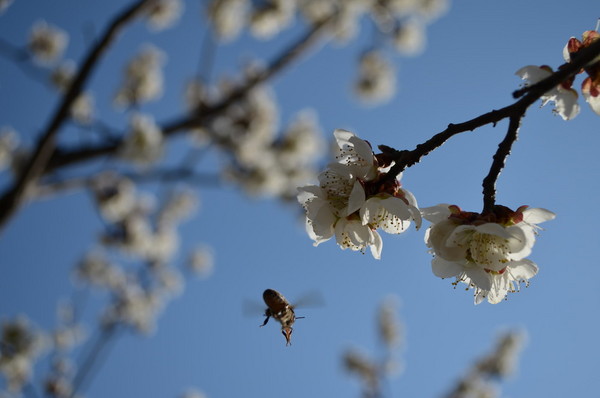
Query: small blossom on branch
x=143, y=80
x=144, y=143
x=377, y=79
x=47, y=42
x=354, y=199
x=163, y=14
x=563, y=95
x=590, y=87
x=487, y=252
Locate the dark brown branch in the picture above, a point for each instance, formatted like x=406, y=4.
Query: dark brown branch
x=489, y=182
x=406, y=159
x=36, y=166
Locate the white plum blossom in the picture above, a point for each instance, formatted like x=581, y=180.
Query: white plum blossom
x=143, y=78
x=272, y=17
x=590, y=87
x=563, y=96
x=20, y=345
x=228, y=17
x=201, y=261
x=377, y=79
x=409, y=37
x=354, y=199
x=47, y=42
x=486, y=252
x=144, y=142
x=164, y=13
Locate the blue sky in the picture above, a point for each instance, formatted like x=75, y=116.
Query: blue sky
x=203, y=339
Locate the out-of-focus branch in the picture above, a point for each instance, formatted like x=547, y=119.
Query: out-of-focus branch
x=63, y=158
x=92, y=357
x=36, y=165
x=53, y=186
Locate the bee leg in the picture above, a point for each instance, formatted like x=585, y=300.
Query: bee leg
x=266, y=320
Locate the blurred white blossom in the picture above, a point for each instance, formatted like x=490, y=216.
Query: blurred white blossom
x=164, y=13
x=376, y=79
x=272, y=17
x=135, y=307
x=95, y=269
x=143, y=78
x=409, y=37
x=228, y=17
x=20, y=345
x=9, y=142
x=4, y=4
x=62, y=75
x=47, y=42
x=144, y=142
x=180, y=206
x=193, y=393
x=115, y=195
x=201, y=261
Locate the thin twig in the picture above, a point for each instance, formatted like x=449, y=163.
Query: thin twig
x=404, y=159
x=92, y=358
x=36, y=166
x=489, y=182
x=187, y=174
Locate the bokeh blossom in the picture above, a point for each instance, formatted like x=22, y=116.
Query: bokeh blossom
x=486, y=252
x=47, y=42
x=354, y=199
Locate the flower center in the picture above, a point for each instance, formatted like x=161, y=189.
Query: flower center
x=488, y=250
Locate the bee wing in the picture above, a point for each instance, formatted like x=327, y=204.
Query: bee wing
x=252, y=308
x=311, y=299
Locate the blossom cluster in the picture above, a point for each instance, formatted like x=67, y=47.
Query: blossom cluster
x=401, y=24
x=564, y=95
x=264, y=161
x=487, y=252
x=143, y=78
x=355, y=197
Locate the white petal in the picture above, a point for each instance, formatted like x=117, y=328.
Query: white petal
x=376, y=245
x=479, y=277
x=566, y=104
x=537, y=215
x=436, y=214
x=499, y=290
x=594, y=102
x=521, y=241
x=532, y=73
x=321, y=227
x=493, y=229
x=523, y=270
x=308, y=192
x=356, y=199
x=445, y=269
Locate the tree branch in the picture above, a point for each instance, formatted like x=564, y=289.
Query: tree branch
x=489, y=182
x=405, y=158
x=36, y=166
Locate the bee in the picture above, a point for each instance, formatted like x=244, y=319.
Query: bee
x=282, y=311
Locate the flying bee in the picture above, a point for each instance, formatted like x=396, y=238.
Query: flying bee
x=282, y=311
